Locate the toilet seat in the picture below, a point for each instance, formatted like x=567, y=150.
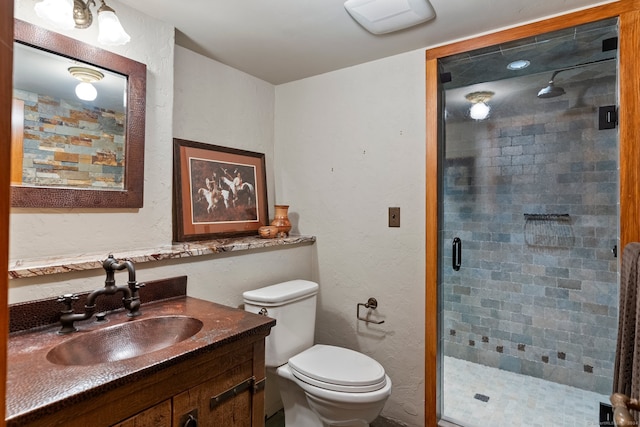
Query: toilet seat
x=338, y=369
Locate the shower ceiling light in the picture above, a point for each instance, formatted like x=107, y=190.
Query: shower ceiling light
x=479, y=110
x=69, y=14
x=520, y=64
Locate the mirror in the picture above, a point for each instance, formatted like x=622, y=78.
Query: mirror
x=67, y=151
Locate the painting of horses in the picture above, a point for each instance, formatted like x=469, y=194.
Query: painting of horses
x=218, y=191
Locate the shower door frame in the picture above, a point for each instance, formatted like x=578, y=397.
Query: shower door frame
x=628, y=14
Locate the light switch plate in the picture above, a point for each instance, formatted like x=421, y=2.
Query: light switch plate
x=394, y=217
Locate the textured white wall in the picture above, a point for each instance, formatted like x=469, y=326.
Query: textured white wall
x=212, y=103
x=347, y=145
x=219, y=105
x=350, y=144
x=38, y=233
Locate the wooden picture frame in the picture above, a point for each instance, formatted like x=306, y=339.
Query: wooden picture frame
x=218, y=191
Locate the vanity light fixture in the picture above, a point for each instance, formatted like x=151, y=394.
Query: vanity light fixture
x=69, y=14
x=85, y=90
x=111, y=31
x=58, y=12
x=479, y=110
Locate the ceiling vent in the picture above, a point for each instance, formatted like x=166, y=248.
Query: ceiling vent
x=386, y=16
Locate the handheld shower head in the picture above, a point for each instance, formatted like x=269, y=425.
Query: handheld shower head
x=551, y=91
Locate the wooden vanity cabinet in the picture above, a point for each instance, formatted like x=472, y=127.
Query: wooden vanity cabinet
x=166, y=396
x=158, y=416
x=226, y=400
x=233, y=409
x=229, y=392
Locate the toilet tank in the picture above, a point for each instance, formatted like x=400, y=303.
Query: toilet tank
x=293, y=305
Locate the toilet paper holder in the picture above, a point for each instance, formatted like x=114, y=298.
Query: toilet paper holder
x=371, y=303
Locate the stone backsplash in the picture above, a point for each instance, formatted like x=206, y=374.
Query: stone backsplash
x=71, y=144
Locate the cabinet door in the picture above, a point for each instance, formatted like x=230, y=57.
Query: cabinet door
x=234, y=410
x=156, y=416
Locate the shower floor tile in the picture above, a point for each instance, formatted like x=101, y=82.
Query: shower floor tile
x=513, y=399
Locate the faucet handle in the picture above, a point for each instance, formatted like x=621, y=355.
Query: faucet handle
x=138, y=285
x=135, y=287
x=67, y=300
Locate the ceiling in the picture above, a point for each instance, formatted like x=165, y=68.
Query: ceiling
x=280, y=41
x=559, y=50
x=41, y=72
x=581, y=55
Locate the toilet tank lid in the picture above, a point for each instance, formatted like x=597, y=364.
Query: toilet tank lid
x=281, y=292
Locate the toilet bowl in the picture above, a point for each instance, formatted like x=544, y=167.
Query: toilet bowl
x=342, y=387
x=320, y=385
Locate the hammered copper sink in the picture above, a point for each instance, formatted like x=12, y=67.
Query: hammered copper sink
x=48, y=372
x=124, y=341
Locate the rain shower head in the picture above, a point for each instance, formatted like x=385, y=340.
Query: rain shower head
x=551, y=91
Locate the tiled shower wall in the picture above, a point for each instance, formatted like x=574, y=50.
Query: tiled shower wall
x=72, y=144
x=536, y=295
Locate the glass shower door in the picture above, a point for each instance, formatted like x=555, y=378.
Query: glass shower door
x=528, y=282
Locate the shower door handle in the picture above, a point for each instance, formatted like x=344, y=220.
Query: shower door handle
x=456, y=253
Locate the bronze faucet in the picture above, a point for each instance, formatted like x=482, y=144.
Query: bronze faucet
x=130, y=299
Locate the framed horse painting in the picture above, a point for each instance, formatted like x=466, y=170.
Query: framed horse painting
x=218, y=191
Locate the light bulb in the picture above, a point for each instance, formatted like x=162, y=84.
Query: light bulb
x=479, y=111
x=86, y=91
x=111, y=32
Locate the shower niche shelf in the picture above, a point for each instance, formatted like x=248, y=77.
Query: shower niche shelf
x=548, y=230
x=547, y=217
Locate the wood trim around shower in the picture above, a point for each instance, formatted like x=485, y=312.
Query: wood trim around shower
x=628, y=12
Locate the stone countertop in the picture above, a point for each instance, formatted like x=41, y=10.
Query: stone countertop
x=22, y=268
x=36, y=387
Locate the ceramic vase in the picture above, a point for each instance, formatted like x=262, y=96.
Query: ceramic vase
x=268, y=231
x=281, y=220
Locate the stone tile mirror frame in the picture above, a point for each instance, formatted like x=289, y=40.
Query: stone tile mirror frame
x=131, y=195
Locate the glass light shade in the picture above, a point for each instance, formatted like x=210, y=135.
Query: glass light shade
x=111, y=32
x=479, y=111
x=57, y=12
x=86, y=91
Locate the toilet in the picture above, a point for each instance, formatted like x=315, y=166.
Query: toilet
x=320, y=385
